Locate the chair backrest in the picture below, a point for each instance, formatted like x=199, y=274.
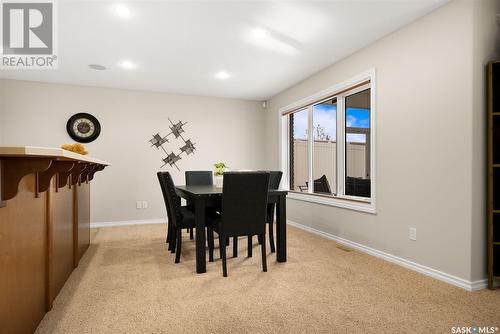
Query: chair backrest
x=162, y=186
x=275, y=179
x=274, y=183
x=199, y=178
x=321, y=185
x=173, y=200
x=358, y=186
x=164, y=192
x=244, y=202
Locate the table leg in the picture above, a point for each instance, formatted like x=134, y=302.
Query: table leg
x=281, y=229
x=199, y=208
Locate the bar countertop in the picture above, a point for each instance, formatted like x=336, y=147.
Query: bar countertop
x=40, y=152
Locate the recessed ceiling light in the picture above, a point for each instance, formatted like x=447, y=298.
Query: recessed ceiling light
x=97, y=67
x=222, y=75
x=266, y=39
x=122, y=11
x=260, y=34
x=128, y=65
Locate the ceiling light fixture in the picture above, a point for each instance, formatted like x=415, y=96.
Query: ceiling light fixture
x=269, y=40
x=222, y=75
x=122, y=11
x=260, y=34
x=97, y=67
x=128, y=65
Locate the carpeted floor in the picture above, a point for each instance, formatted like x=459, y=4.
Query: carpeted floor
x=127, y=282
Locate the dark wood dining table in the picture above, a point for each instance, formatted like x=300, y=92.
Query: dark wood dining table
x=202, y=196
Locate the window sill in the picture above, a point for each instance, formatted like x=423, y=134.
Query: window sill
x=351, y=204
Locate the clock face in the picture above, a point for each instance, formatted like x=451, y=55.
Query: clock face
x=83, y=128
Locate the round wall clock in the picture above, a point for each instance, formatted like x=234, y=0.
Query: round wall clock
x=83, y=127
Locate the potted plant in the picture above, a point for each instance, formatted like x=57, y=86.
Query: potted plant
x=220, y=168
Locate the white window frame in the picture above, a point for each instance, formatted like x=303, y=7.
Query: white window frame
x=340, y=200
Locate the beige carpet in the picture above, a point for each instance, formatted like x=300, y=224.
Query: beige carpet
x=127, y=282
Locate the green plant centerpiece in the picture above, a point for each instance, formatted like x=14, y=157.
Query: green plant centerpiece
x=219, y=170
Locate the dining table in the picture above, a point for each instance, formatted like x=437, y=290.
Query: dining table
x=203, y=196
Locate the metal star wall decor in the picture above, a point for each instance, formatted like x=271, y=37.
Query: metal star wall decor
x=188, y=148
x=176, y=130
x=158, y=141
x=171, y=159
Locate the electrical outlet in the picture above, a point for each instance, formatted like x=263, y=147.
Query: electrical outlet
x=138, y=205
x=144, y=204
x=413, y=233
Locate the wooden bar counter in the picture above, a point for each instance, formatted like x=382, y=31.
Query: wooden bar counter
x=44, y=228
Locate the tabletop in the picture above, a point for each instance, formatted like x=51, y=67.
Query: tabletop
x=213, y=190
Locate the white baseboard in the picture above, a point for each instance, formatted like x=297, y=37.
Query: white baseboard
x=450, y=279
x=127, y=223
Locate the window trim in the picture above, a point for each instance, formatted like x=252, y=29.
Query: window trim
x=342, y=89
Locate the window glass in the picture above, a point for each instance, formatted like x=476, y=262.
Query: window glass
x=325, y=147
x=299, y=172
x=357, y=144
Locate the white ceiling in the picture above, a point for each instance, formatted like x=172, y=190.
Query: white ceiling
x=180, y=46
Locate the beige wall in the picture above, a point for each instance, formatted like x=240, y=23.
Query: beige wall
x=223, y=130
x=426, y=73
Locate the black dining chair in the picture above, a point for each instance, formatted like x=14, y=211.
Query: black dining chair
x=197, y=178
x=169, y=218
x=274, y=183
x=321, y=185
x=244, y=202
x=180, y=216
x=357, y=186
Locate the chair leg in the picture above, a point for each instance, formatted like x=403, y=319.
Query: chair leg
x=259, y=238
x=220, y=247
x=250, y=241
x=227, y=241
x=179, y=244
x=210, y=238
x=222, y=243
x=191, y=237
x=271, y=237
x=264, y=258
x=168, y=235
x=173, y=239
x=235, y=246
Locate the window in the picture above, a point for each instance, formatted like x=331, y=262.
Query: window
x=357, y=144
x=328, y=153
x=298, y=150
x=325, y=147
